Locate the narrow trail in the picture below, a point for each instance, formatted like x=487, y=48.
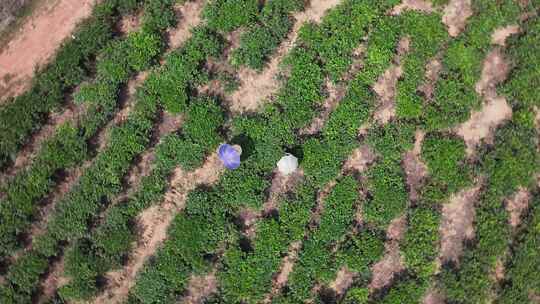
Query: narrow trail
x=415, y=169
x=455, y=16
x=71, y=176
x=433, y=71
x=37, y=41
x=256, y=87
x=495, y=109
x=54, y=280
x=516, y=206
x=189, y=14
x=154, y=223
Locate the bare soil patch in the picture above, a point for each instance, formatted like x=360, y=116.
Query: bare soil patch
x=413, y=5
x=189, y=17
x=335, y=94
x=415, y=169
x=344, y=280
x=200, y=288
x=360, y=159
x=130, y=23
x=433, y=296
x=281, y=184
x=457, y=223
x=154, y=223
x=37, y=41
x=455, y=16
x=70, y=113
x=516, y=205
x=495, y=110
x=256, y=87
x=392, y=262
x=500, y=35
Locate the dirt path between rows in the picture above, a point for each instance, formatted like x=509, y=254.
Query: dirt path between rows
x=37, y=41
x=495, y=109
x=154, y=223
x=386, y=85
x=392, y=263
x=256, y=87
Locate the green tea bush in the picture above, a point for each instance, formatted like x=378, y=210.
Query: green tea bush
x=263, y=38
x=72, y=64
x=523, y=267
x=228, y=15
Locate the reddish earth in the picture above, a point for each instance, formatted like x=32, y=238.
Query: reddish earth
x=344, y=280
x=70, y=113
x=281, y=184
x=455, y=16
x=457, y=223
x=282, y=276
x=37, y=41
x=52, y=282
x=360, y=159
x=433, y=70
x=199, y=288
x=189, y=17
x=500, y=35
x=413, y=5
x=433, y=296
x=482, y=124
x=517, y=205
x=335, y=94
x=415, y=170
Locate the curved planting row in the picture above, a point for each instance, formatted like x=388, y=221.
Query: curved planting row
x=103, y=178
x=385, y=189
x=71, y=145
x=73, y=64
x=109, y=243
x=106, y=246
x=512, y=163
x=449, y=170
x=207, y=222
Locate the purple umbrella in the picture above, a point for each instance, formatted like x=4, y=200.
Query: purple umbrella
x=229, y=156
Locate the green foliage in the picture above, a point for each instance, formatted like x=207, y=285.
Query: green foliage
x=446, y=162
x=523, y=268
x=388, y=196
x=313, y=260
x=72, y=64
x=421, y=239
x=264, y=37
x=228, y=15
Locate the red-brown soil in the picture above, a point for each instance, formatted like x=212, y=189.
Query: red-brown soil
x=37, y=41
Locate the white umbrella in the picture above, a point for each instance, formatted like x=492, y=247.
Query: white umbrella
x=287, y=164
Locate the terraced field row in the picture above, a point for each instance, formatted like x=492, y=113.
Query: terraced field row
x=415, y=123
